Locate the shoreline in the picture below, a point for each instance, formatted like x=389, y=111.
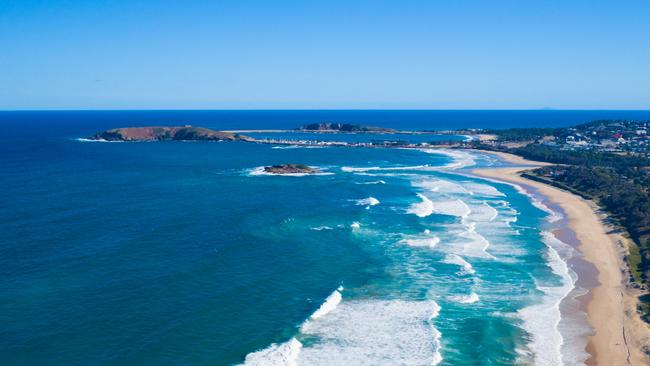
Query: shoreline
x=618, y=332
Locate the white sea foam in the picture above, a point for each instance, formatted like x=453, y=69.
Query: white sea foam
x=466, y=267
x=455, y=207
x=475, y=244
x=553, y=216
x=423, y=208
x=482, y=189
x=81, y=139
x=259, y=171
x=427, y=242
x=283, y=354
x=286, y=354
x=466, y=299
x=372, y=182
x=461, y=159
x=439, y=185
x=351, y=169
x=370, y=201
x=374, y=332
x=321, y=228
x=484, y=213
x=542, y=320
x=355, y=225
x=330, y=304
x=367, y=174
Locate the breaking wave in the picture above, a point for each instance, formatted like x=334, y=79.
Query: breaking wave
x=423, y=208
x=542, y=320
x=402, y=333
x=283, y=354
x=330, y=304
x=426, y=242
x=460, y=159
x=286, y=354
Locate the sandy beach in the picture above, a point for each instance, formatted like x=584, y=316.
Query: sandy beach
x=619, y=333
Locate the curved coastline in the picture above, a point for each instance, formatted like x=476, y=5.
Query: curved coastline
x=618, y=332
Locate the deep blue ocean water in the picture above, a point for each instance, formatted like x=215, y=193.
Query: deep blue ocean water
x=181, y=254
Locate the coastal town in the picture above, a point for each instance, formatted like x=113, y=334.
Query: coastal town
x=607, y=136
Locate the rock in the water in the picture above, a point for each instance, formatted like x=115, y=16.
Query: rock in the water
x=290, y=169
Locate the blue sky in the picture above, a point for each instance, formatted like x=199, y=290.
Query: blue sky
x=324, y=54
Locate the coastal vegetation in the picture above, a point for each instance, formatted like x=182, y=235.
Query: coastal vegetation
x=605, y=161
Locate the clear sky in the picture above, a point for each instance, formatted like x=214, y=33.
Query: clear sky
x=239, y=54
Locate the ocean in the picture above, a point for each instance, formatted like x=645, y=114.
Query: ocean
x=186, y=253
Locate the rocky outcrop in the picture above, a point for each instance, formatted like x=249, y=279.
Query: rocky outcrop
x=184, y=133
x=342, y=127
x=289, y=169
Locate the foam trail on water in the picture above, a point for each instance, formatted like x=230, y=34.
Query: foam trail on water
x=320, y=228
x=423, y=208
x=372, y=182
x=466, y=299
x=542, y=320
x=459, y=261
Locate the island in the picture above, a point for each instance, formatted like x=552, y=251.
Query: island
x=343, y=127
x=289, y=169
x=180, y=133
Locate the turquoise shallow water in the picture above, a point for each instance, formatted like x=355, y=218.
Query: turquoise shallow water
x=180, y=253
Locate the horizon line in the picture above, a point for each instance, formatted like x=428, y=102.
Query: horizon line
x=317, y=109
